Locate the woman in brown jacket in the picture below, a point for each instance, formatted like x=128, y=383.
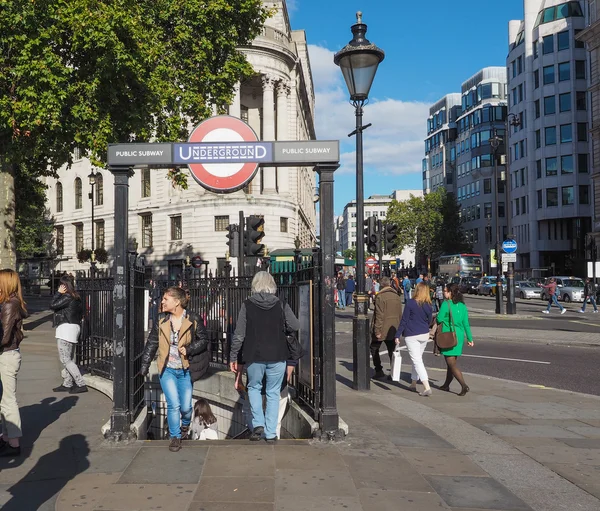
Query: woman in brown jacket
x=12, y=312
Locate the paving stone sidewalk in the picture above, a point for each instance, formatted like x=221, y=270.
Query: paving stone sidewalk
x=503, y=447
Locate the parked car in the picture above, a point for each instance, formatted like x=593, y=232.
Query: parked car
x=568, y=289
x=527, y=290
x=487, y=286
x=468, y=285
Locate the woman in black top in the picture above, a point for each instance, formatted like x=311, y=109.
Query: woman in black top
x=261, y=330
x=68, y=312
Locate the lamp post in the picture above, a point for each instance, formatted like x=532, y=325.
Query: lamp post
x=92, y=180
x=511, y=302
x=358, y=61
x=495, y=143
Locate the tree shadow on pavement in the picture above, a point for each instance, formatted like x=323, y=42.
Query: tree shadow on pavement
x=49, y=475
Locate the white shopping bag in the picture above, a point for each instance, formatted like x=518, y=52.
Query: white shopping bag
x=396, y=364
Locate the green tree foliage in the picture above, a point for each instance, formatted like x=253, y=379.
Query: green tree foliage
x=83, y=73
x=349, y=253
x=430, y=223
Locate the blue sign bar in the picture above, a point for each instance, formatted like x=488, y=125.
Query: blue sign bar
x=222, y=152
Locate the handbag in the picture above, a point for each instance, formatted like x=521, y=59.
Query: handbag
x=294, y=347
x=396, y=364
x=447, y=340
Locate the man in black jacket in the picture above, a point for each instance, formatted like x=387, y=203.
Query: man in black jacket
x=589, y=293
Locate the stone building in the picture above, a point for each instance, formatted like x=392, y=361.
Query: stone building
x=168, y=224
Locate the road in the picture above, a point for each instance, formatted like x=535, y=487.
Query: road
x=562, y=367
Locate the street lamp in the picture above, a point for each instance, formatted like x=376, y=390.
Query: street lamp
x=511, y=302
x=92, y=179
x=495, y=144
x=358, y=61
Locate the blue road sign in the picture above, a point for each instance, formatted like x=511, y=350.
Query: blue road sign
x=509, y=246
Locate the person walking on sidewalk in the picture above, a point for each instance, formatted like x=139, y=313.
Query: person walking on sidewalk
x=350, y=288
x=406, y=287
x=12, y=313
x=260, y=340
x=552, y=299
x=454, y=317
x=589, y=293
x=388, y=311
x=414, y=326
x=178, y=335
x=68, y=312
x=341, y=291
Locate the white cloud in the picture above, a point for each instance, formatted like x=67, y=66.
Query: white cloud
x=292, y=5
x=392, y=145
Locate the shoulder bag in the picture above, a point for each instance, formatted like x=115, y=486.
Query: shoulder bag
x=295, y=348
x=447, y=340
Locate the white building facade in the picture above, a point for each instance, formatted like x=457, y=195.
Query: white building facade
x=168, y=224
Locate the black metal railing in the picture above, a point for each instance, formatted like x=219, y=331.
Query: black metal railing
x=137, y=308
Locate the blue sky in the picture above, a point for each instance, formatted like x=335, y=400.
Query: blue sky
x=431, y=48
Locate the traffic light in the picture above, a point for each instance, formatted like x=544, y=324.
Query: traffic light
x=389, y=238
x=254, y=232
x=233, y=240
x=372, y=238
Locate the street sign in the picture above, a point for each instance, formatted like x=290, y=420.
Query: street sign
x=509, y=246
x=197, y=262
x=509, y=258
x=493, y=260
x=371, y=262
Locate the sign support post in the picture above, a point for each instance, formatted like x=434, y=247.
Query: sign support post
x=509, y=246
x=242, y=221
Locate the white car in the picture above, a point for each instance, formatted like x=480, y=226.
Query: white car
x=527, y=290
x=568, y=289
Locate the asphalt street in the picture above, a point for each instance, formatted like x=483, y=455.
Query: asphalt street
x=561, y=367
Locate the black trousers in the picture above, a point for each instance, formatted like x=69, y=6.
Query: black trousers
x=376, y=346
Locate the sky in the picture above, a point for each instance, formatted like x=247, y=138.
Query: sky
x=431, y=47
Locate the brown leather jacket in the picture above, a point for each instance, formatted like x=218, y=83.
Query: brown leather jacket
x=11, y=317
x=388, y=312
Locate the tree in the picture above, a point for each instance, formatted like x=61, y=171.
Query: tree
x=349, y=253
x=80, y=73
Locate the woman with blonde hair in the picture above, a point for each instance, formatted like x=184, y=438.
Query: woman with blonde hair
x=414, y=325
x=12, y=313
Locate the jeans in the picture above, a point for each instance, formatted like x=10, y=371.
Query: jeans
x=341, y=298
x=10, y=363
x=267, y=418
x=554, y=300
x=70, y=373
x=376, y=346
x=177, y=387
x=592, y=300
x=348, y=297
x=416, y=344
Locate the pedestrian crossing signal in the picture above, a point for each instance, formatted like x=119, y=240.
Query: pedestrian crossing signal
x=253, y=234
x=389, y=238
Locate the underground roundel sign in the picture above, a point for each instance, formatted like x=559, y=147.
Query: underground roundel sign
x=223, y=153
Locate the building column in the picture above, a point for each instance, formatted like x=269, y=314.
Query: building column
x=283, y=110
x=268, y=129
x=235, y=109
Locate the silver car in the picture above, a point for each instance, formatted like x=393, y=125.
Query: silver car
x=527, y=290
x=568, y=289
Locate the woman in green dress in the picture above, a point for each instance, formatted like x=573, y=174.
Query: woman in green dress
x=453, y=301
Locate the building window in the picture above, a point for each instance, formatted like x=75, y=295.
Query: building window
x=578, y=43
x=487, y=210
x=551, y=166
x=487, y=186
x=568, y=196
x=582, y=135
x=77, y=154
x=551, y=197
x=580, y=69
x=550, y=135
x=562, y=39
x=78, y=238
x=566, y=133
x=536, y=50
x=524, y=205
x=176, y=233
x=517, y=208
x=536, y=79
x=548, y=75
x=221, y=223
x=584, y=194
x=99, y=234
x=537, y=108
x=581, y=101
x=145, y=176
x=283, y=224
x=60, y=238
x=146, y=230
x=99, y=186
x=549, y=105
x=59, y=197
x=538, y=139
x=564, y=102
x=548, y=44
x=566, y=164
x=78, y=194
x=582, y=163
x=501, y=209
x=538, y=167
x=244, y=113
x=540, y=202
x=564, y=71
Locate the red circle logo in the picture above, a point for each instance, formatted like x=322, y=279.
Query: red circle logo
x=223, y=177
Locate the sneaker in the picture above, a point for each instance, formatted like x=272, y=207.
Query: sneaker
x=7, y=450
x=257, y=434
x=271, y=440
x=175, y=444
x=582, y=312
x=595, y=311
x=62, y=388
x=546, y=312
x=185, y=431
x=425, y=393
x=563, y=311
x=76, y=389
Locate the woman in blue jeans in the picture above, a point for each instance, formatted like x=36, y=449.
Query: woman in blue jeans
x=177, y=335
x=260, y=336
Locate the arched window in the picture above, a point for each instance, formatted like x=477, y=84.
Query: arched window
x=99, y=190
x=59, y=197
x=78, y=194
